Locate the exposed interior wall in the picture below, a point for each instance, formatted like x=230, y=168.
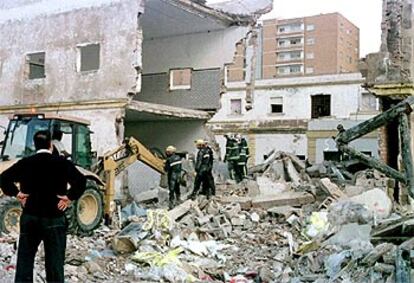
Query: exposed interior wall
x=160, y=134
x=58, y=32
x=203, y=94
x=198, y=51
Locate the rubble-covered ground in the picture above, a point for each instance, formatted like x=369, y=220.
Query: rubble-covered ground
x=286, y=223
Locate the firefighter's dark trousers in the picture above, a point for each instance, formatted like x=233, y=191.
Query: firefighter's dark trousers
x=205, y=178
x=174, y=187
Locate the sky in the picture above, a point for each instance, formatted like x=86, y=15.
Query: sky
x=365, y=14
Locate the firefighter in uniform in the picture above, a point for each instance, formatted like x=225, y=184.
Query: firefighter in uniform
x=226, y=156
x=203, y=166
x=244, y=156
x=209, y=185
x=232, y=157
x=173, y=168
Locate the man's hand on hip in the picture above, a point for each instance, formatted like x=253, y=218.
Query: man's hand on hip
x=22, y=198
x=63, y=203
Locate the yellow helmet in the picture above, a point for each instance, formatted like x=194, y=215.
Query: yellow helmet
x=170, y=148
x=200, y=142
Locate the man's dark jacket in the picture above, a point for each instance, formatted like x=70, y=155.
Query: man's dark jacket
x=43, y=176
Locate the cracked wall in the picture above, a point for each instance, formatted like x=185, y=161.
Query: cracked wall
x=59, y=29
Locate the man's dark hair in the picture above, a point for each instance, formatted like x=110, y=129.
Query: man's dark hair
x=42, y=140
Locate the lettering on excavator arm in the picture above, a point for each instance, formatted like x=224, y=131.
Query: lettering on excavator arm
x=119, y=159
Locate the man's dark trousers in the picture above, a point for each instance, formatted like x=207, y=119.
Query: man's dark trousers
x=33, y=230
x=174, y=187
x=203, y=178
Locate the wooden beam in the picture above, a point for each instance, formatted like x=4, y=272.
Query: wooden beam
x=406, y=152
x=373, y=163
x=360, y=130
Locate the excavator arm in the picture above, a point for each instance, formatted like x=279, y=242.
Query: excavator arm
x=117, y=160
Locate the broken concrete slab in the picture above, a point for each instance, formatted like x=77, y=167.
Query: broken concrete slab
x=276, y=171
x=283, y=212
x=147, y=196
x=238, y=220
x=251, y=186
x=283, y=199
x=231, y=210
x=344, y=212
x=377, y=201
x=181, y=210
x=351, y=190
x=293, y=175
x=204, y=219
x=268, y=187
x=245, y=202
x=255, y=217
x=128, y=239
x=350, y=232
x=331, y=189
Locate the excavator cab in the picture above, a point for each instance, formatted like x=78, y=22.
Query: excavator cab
x=86, y=213
x=75, y=137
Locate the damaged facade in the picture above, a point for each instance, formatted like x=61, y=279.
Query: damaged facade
x=289, y=94
x=389, y=73
x=129, y=67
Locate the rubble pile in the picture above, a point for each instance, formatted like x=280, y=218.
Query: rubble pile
x=279, y=226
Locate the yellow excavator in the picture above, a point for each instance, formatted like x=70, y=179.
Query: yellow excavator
x=97, y=202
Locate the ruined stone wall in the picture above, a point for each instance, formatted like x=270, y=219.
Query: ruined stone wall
x=37, y=27
x=395, y=62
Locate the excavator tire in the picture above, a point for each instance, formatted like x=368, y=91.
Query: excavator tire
x=10, y=211
x=86, y=214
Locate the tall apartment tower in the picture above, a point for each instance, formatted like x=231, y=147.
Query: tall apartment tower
x=315, y=45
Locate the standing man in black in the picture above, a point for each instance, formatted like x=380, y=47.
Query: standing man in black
x=173, y=168
x=203, y=166
x=210, y=178
x=43, y=179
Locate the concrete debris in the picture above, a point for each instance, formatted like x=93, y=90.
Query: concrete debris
x=345, y=212
x=377, y=202
x=287, y=198
x=278, y=226
x=331, y=189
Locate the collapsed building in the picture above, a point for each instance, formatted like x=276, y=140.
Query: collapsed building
x=287, y=88
x=149, y=69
